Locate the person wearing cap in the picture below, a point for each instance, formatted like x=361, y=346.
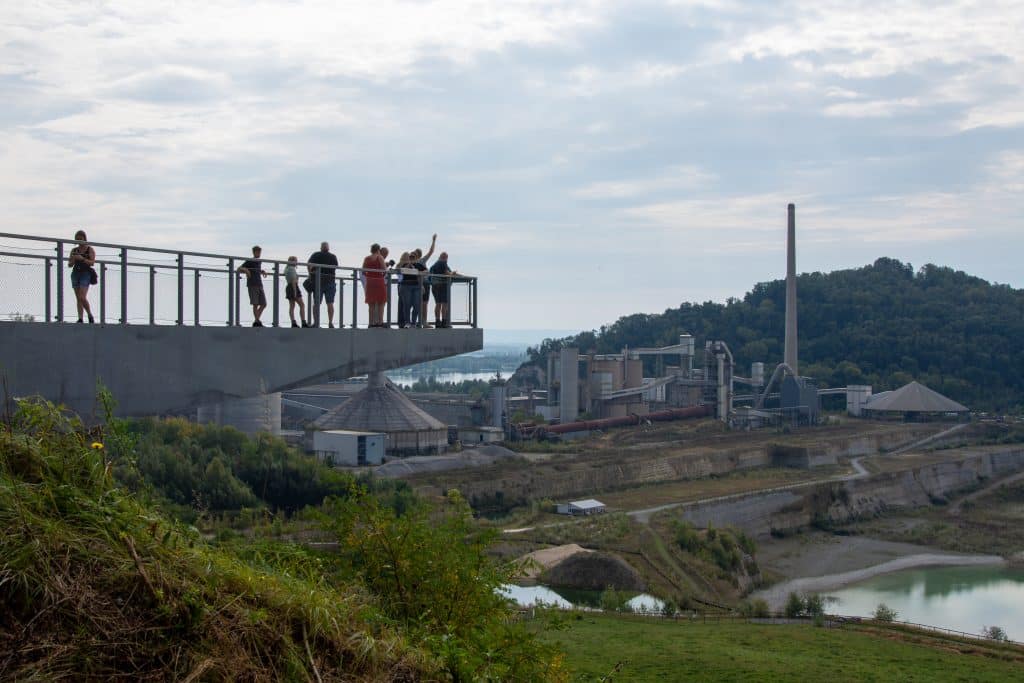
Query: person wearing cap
x=254, y=273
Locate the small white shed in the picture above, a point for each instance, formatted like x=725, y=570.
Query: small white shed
x=582, y=507
x=345, y=448
x=476, y=435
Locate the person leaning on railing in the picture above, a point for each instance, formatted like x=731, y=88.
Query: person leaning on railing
x=441, y=283
x=81, y=261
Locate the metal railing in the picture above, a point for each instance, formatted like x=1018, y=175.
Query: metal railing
x=129, y=278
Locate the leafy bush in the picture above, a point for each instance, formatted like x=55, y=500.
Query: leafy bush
x=430, y=572
x=814, y=605
x=885, y=613
x=994, y=633
x=794, y=606
x=759, y=609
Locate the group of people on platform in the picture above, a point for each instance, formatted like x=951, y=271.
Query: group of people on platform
x=416, y=283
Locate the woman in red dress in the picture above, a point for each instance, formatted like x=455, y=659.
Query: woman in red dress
x=376, y=288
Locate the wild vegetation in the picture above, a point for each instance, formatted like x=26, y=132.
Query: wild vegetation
x=96, y=584
x=883, y=324
x=732, y=650
x=194, y=469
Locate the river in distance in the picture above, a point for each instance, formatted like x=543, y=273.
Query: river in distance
x=959, y=598
x=408, y=379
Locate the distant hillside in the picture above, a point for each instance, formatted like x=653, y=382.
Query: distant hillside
x=882, y=324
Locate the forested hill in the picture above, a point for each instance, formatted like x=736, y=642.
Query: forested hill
x=882, y=324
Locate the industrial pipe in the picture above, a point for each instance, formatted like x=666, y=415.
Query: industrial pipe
x=628, y=420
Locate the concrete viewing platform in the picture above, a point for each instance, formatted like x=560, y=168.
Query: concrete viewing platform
x=172, y=333
x=169, y=369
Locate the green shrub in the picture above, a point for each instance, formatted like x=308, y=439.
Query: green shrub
x=760, y=609
x=994, y=633
x=814, y=605
x=431, y=574
x=794, y=606
x=885, y=613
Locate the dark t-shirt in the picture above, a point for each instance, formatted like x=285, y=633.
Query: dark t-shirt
x=409, y=279
x=440, y=268
x=327, y=259
x=253, y=279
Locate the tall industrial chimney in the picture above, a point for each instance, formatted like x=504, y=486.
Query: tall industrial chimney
x=790, y=348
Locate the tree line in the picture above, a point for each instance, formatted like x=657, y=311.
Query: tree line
x=884, y=324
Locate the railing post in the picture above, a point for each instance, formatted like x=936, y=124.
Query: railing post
x=355, y=298
x=474, y=303
x=341, y=302
x=152, y=295
x=316, y=298
x=195, y=297
x=231, y=292
x=103, y=294
x=238, y=298
x=277, y=270
x=60, y=281
x=124, y=286
x=46, y=286
x=387, y=286
x=181, y=289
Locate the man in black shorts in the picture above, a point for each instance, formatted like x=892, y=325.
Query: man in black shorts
x=328, y=286
x=442, y=287
x=253, y=271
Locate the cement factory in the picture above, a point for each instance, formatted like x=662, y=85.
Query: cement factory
x=358, y=422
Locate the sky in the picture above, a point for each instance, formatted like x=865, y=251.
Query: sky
x=584, y=159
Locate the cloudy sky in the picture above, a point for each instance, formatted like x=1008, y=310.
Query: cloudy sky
x=586, y=159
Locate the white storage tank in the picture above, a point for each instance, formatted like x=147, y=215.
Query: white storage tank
x=757, y=374
x=857, y=396
x=346, y=448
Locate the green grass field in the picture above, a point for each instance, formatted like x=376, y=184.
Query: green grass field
x=655, y=650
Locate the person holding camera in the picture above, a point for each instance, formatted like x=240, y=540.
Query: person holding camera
x=81, y=261
x=375, y=286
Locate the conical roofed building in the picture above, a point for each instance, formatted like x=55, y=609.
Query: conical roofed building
x=913, y=398
x=382, y=407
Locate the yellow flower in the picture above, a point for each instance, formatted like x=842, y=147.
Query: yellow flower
x=97, y=446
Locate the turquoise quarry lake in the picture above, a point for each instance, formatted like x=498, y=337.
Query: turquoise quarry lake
x=959, y=598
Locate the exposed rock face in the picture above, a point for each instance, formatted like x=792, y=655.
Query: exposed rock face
x=594, y=571
x=840, y=502
x=549, y=481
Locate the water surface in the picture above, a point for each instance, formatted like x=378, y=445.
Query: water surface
x=960, y=598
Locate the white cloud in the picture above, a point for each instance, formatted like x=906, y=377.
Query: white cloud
x=675, y=179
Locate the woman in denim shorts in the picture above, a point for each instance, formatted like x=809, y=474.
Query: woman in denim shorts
x=80, y=261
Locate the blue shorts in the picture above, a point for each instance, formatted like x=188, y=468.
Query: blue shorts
x=80, y=279
x=327, y=291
